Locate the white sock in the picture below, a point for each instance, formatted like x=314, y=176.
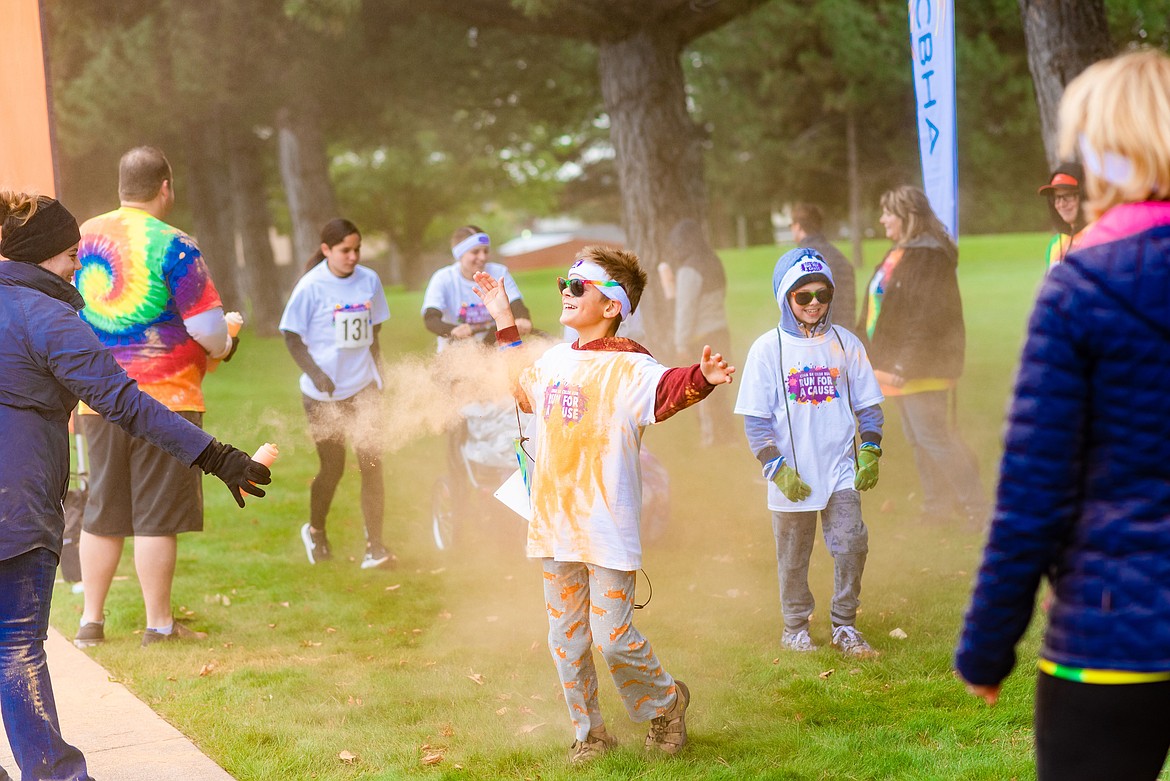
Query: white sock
x=164, y=631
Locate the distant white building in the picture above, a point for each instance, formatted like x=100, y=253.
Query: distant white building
x=554, y=242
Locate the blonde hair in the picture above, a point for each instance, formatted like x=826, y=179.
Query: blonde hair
x=17, y=208
x=1121, y=109
x=912, y=207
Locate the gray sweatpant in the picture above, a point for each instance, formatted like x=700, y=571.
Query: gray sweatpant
x=848, y=542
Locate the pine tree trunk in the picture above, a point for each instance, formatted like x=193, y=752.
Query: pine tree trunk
x=304, y=170
x=658, y=154
x=855, y=228
x=214, y=224
x=1064, y=37
x=262, y=277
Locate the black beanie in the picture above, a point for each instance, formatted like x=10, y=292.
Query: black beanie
x=48, y=233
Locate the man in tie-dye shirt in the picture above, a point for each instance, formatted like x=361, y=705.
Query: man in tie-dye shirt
x=150, y=300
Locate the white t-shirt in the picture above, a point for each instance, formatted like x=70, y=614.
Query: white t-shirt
x=454, y=295
x=335, y=317
x=812, y=385
x=590, y=410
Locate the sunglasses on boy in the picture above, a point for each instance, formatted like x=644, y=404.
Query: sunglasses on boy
x=577, y=286
x=805, y=297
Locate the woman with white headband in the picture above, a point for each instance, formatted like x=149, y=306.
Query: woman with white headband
x=1083, y=497
x=450, y=309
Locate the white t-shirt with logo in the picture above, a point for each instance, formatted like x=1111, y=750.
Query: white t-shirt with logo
x=454, y=295
x=335, y=317
x=812, y=385
x=590, y=410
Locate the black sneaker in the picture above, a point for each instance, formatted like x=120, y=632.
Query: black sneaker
x=178, y=634
x=89, y=635
x=316, y=544
x=378, y=556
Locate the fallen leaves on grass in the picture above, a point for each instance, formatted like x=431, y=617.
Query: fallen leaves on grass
x=395, y=587
x=527, y=728
x=898, y=634
x=430, y=756
x=347, y=757
x=309, y=644
x=207, y=669
x=476, y=677
x=827, y=673
x=447, y=731
x=502, y=711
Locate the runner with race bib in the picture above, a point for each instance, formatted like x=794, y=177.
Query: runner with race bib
x=330, y=327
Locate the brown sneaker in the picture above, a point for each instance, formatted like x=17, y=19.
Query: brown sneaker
x=669, y=731
x=596, y=743
x=178, y=634
x=90, y=634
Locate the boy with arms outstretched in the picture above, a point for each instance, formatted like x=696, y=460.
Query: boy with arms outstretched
x=592, y=400
x=804, y=383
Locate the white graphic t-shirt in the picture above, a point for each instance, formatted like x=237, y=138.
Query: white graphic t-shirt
x=454, y=295
x=590, y=410
x=811, y=384
x=335, y=317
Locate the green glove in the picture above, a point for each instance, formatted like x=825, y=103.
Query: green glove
x=867, y=467
x=787, y=480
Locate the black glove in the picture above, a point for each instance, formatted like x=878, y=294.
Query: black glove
x=231, y=352
x=233, y=466
x=322, y=382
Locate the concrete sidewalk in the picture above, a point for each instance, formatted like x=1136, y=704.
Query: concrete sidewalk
x=122, y=738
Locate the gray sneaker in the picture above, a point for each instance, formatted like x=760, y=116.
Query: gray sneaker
x=849, y=641
x=90, y=634
x=797, y=641
x=596, y=743
x=378, y=556
x=316, y=544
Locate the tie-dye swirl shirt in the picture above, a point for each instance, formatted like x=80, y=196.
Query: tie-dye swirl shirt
x=140, y=278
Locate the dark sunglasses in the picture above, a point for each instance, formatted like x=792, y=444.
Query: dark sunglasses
x=577, y=286
x=805, y=297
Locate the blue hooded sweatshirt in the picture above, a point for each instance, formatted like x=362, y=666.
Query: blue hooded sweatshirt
x=796, y=268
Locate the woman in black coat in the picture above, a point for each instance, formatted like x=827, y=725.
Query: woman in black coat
x=912, y=317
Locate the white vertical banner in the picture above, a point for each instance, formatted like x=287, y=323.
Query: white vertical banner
x=932, y=49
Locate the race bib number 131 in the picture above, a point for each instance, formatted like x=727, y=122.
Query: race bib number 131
x=351, y=326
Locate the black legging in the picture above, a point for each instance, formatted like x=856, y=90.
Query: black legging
x=1089, y=731
x=331, y=447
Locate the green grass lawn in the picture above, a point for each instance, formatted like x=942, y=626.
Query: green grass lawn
x=445, y=656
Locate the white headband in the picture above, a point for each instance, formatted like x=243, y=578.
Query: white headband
x=470, y=243
x=587, y=269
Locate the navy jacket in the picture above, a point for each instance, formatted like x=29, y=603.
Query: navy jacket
x=1084, y=492
x=48, y=359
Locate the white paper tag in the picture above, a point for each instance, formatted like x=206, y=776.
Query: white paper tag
x=514, y=494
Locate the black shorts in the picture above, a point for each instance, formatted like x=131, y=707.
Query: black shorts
x=136, y=489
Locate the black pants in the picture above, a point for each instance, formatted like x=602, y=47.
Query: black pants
x=331, y=424
x=1119, y=732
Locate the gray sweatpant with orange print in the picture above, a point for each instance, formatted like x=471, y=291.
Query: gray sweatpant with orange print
x=592, y=606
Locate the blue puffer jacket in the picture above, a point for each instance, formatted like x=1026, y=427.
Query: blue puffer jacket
x=1084, y=492
x=48, y=359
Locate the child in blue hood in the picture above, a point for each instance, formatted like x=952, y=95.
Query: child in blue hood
x=803, y=384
